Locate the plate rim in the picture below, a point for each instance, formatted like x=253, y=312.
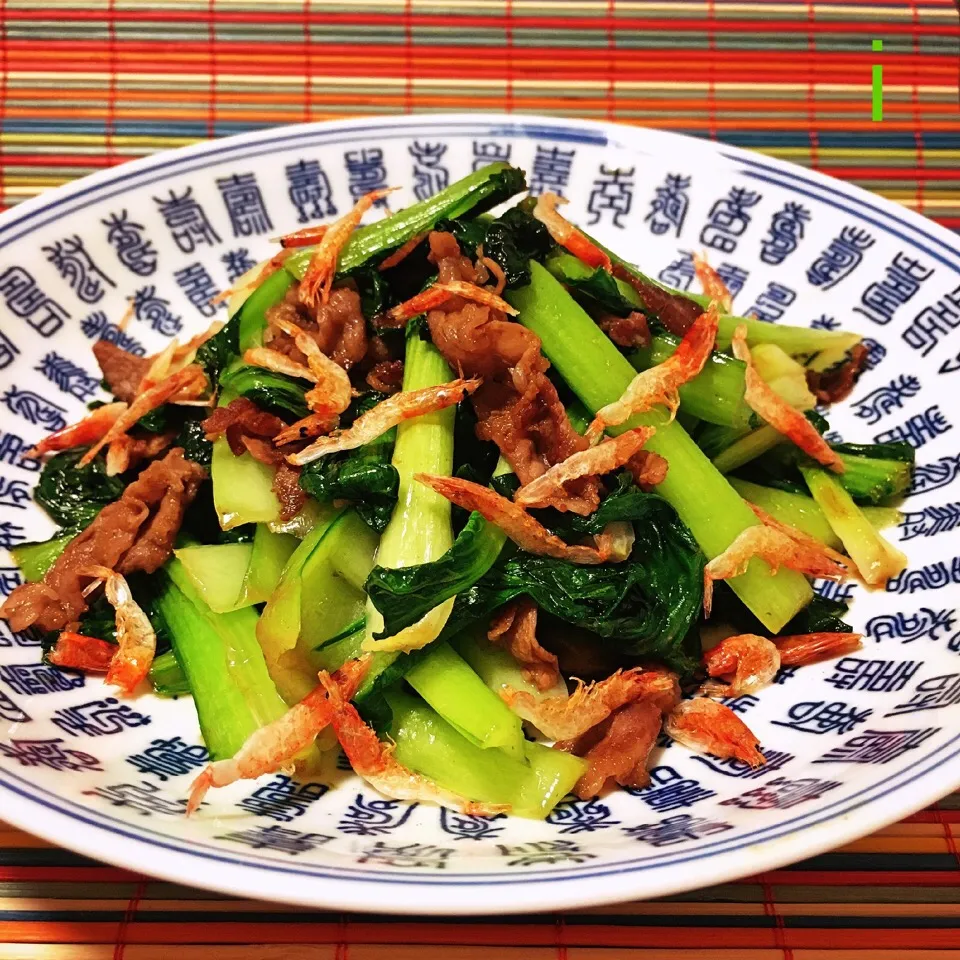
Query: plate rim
x=524, y=892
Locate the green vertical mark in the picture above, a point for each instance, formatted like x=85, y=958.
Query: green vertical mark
x=877, y=89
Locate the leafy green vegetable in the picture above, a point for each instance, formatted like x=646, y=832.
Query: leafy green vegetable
x=364, y=477
x=220, y=349
x=73, y=495
x=644, y=607
x=597, y=285
x=167, y=676
x=274, y=392
x=820, y=615
x=252, y=315
x=901, y=452
x=513, y=240
x=405, y=594
x=195, y=444
x=374, y=290
x=36, y=558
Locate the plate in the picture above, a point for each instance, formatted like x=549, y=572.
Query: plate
x=851, y=745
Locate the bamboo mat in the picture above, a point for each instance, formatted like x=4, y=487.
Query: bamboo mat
x=87, y=85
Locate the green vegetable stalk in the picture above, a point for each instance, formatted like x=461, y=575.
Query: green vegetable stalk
x=35, y=559
x=748, y=447
x=876, y=559
x=167, y=676
x=222, y=661
x=597, y=372
x=419, y=530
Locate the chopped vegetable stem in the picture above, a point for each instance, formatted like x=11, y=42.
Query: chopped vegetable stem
x=746, y=448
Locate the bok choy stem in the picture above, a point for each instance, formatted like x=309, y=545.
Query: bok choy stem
x=713, y=511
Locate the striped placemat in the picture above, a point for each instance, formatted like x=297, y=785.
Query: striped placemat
x=892, y=896
x=87, y=85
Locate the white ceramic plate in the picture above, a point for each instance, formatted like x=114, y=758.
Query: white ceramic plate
x=851, y=746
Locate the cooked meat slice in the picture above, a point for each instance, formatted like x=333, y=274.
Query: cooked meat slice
x=835, y=384
x=134, y=533
x=674, y=311
x=515, y=627
x=123, y=371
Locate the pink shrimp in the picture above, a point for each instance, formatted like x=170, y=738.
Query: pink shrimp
x=660, y=383
x=274, y=360
x=566, y=234
x=602, y=458
x=761, y=398
x=374, y=761
x=332, y=393
x=275, y=745
x=305, y=237
x=706, y=726
x=386, y=414
x=185, y=384
x=318, y=279
x=804, y=648
x=136, y=640
x=402, y=252
x=75, y=651
x=566, y=718
x=88, y=430
x=712, y=282
x=753, y=661
x=312, y=425
x=440, y=293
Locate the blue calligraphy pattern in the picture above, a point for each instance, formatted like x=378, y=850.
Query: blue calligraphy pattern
x=372, y=818
x=10, y=579
x=731, y=767
x=926, y=622
x=882, y=298
x=282, y=799
x=842, y=256
x=244, y=203
x=36, y=679
x=35, y=409
x=150, y=307
x=728, y=219
x=146, y=798
x=133, y=249
x=75, y=265
x=680, y=272
x=543, y=852
x=430, y=176
x=875, y=353
x=673, y=830
x=833, y=590
x=237, y=262
x=876, y=404
x=10, y=711
x=551, y=170
x=734, y=277
x=930, y=521
x=68, y=377
x=199, y=286
x=823, y=322
x=20, y=638
x=8, y=351
x=918, y=429
x=186, y=220
x=96, y=326
x=786, y=231
x=426, y=856
x=309, y=191
x=11, y=534
x=669, y=790
x=280, y=839
x=872, y=676
x=468, y=826
x=932, y=323
x=14, y=493
x=877, y=746
x=12, y=450
x=931, y=694
x=819, y=716
x=164, y=759
x=772, y=304
x=581, y=816
x=933, y=576
x=366, y=171
x=98, y=718
x=24, y=298
x=49, y=754
x=781, y=794
x=489, y=151
x=933, y=476
x=668, y=209
x=611, y=195
x=741, y=704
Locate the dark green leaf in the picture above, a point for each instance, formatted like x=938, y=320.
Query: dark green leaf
x=405, y=594
x=195, y=444
x=274, y=392
x=902, y=452
x=74, y=495
x=820, y=615
x=220, y=349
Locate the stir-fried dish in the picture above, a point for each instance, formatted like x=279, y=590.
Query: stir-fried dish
x=467, y=496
